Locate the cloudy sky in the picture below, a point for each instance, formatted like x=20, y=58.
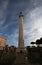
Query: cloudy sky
x=9, y=20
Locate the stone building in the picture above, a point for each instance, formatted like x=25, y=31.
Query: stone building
x=2, y=42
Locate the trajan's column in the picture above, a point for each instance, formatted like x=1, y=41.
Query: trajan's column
x=21, y=34
x=20, y=58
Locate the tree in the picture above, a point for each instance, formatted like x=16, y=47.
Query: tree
x=32, y=43
x=40, y=40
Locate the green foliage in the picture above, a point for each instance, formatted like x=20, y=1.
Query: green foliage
x=7, y=58
x=33, y=55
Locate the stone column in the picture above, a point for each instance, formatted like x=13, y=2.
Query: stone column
x=21, y=34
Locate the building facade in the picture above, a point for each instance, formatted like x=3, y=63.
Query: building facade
x=2, y=42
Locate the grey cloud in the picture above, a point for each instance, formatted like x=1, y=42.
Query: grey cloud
x=3, y=8
x=33, y=24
